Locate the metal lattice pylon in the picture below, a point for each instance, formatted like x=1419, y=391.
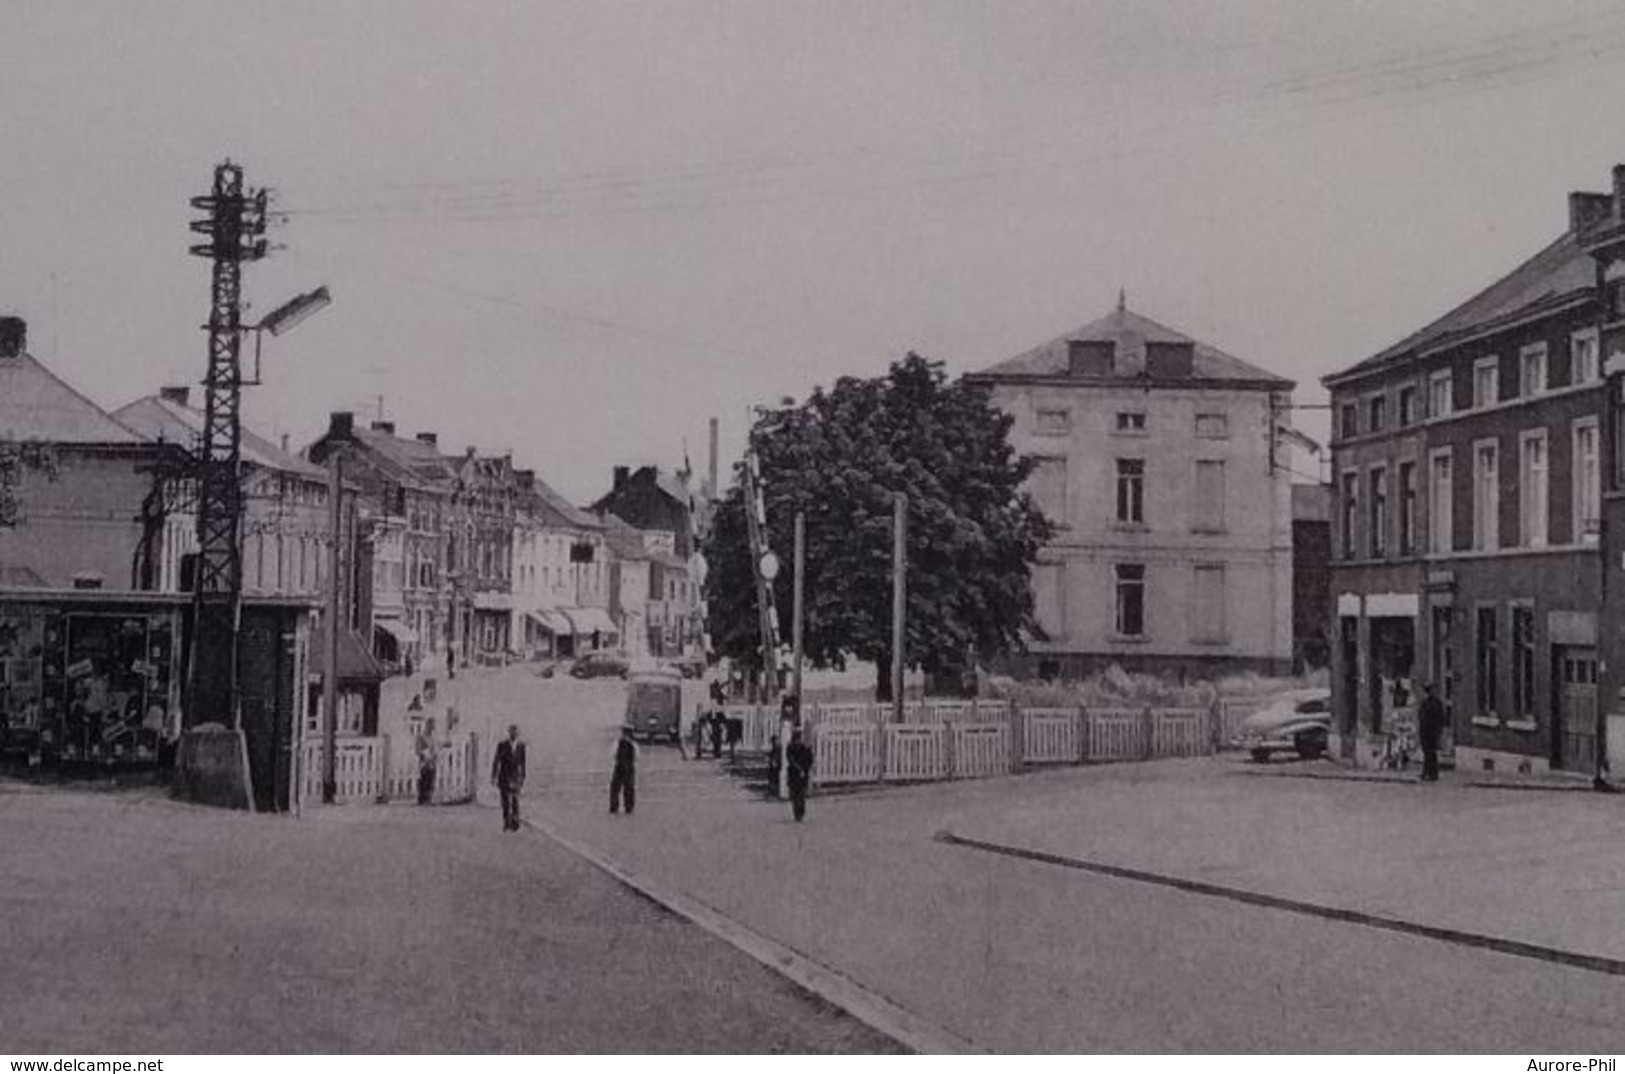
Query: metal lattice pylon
x=236, y=220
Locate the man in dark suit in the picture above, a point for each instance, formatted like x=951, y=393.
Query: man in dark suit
x=1430, y=729
x=798, y=759
x=623, y=780
x=508, y=773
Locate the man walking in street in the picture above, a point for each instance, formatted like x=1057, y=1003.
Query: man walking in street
x=451, y=662
x=508, y=773
x=799, y=759
x=1430, y=729
x=623, y=783
x=427, y=750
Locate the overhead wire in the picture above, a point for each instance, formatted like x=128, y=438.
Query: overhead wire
x=1451, y=69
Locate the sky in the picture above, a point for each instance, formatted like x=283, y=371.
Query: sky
x=576, y=231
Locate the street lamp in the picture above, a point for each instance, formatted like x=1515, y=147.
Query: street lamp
x=285, y=318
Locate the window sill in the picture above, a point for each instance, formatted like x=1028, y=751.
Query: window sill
x=1133, y=434
x=1128, y=639
x=1486, y=721
x=1522, y=725
x=1209, y=531
x=1210, y=642
x=1129, y=527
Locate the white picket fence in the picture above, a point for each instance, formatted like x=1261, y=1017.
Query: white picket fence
x=981, y=749
x=1052, y=735
x=1117, y=735
x=915, y=751
x=381, y=768
x=846, y=754
x=963, y=739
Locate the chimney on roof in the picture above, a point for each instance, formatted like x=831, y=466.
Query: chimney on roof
x=432, y=439
x=179, y=394
x=1091, y=357
x=385, y=427
x=341, y=423
x=1587, y=210
x=525, y=479
x=13, y=337
x=1170, y=358
x=621, y=474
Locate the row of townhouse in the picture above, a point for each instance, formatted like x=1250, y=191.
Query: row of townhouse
x=461, y=557
x=1477, y=465
x=475, y=560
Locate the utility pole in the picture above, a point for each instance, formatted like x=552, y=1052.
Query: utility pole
x=335, y=587
x=234, y=226
x=765, y=567
x=797, y=612
x=899, y=596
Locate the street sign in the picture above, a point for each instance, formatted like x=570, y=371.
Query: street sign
x=770, y=566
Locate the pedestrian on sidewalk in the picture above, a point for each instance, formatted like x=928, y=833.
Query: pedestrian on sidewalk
x=702, y=719
x=716, y=734
x=451, y=662
x=623, y=783
x=508, y=773
x=1430, y=729
x=799, y=757
x=775, y=762
x=427, y=750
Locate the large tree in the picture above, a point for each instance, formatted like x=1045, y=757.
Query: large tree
x=840, y=458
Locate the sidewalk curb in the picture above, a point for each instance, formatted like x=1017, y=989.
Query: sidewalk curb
x=869, y=1007
x=1569, y=787
x=1518, y=948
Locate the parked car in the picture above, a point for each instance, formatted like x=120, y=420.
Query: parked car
x=1298, y=720
x=691, y=666
x=602, y=665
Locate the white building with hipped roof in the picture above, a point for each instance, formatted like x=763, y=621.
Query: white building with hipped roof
x=1165, y=464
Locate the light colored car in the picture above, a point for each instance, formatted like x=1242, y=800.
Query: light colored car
x=1297, y=720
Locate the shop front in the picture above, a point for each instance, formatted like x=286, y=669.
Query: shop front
x=88, y=680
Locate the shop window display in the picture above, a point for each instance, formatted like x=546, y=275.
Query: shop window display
x=92, y=687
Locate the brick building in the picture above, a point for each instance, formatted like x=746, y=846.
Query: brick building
x=409, y=514
x=1467, y=463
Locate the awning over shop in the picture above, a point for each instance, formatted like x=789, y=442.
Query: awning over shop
x=356, y=664
x=551, y=621
x=397, y=630
x=590, y=620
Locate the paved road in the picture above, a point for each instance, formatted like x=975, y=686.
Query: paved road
x=1022, y=956
x=138, y=925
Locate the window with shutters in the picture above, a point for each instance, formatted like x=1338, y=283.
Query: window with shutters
x=1587, y=476
x=1407, y=508
x=1441, y=502
x=1533, y=489
x=1048, y=486
x=1053, y=423
x=1378, y=501
x=1583, y=352
x=1488, y=663
x=1440, y=389
x=1486, y=496
x=1207, y=605
x=1207, y=507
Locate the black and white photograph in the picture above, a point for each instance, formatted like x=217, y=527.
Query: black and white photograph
x=590, y=528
